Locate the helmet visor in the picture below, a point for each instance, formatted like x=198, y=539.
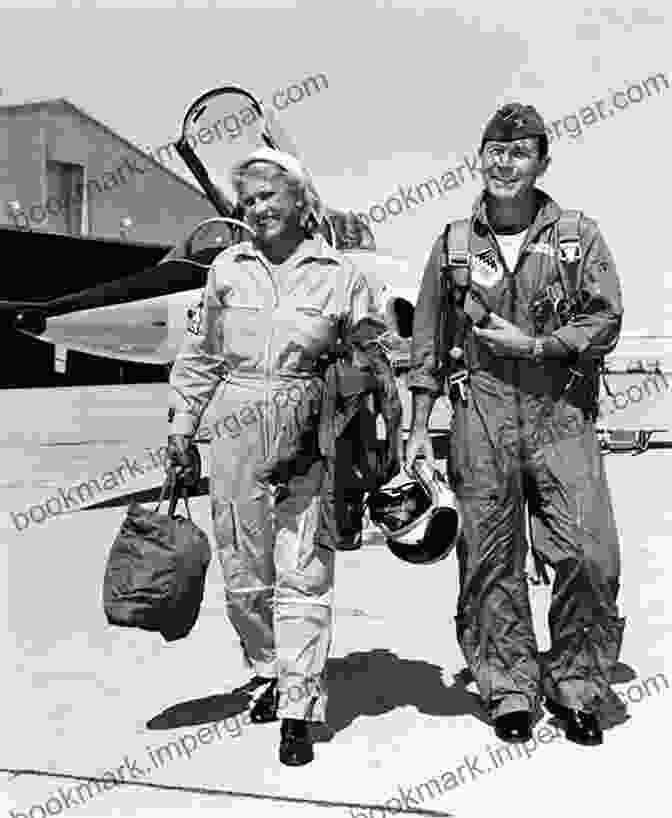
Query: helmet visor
x=438, y=541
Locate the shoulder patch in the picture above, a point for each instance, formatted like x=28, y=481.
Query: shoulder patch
x=195, y=318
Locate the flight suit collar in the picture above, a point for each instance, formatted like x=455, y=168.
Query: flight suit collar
x=548, y=213
x=311, y=249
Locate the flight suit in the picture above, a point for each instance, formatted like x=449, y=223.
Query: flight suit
x=253, y=351
x=525, y=434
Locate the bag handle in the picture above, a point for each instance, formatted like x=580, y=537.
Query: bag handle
x=178, y=490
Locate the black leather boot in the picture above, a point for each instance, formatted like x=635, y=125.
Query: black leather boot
x=579, y=726
x=296, y=747
x=265, y=709
x=515, y=727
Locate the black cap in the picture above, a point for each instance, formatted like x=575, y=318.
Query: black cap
x=514, y=121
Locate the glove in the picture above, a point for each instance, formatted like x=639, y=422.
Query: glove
x=183, y=460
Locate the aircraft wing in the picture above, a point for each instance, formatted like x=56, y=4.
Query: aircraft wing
x=71, y=260
x=149, y=270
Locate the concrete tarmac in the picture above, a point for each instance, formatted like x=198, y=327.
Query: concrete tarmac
x=104, y=721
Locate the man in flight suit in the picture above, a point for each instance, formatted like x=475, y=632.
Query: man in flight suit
x=524, y=403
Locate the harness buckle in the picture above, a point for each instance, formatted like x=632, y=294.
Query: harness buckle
x=457, y=382
x=575, y=375
x=554, y=297
x=570, y=250
x=458, y=258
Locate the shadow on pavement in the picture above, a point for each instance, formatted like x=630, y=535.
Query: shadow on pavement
x=207, y=710
x=360, y=684
x=376, y=682
x=371, y=683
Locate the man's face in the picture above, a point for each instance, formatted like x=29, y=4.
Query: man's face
x=510, y=169
x=272, y=209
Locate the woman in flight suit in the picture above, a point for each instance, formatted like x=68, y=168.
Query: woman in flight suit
x=271, y=307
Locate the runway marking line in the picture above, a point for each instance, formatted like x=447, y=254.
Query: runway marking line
x=288, y=799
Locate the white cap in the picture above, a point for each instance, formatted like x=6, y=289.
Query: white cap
x=285, y=161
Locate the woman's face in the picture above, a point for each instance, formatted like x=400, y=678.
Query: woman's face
x=272, y=207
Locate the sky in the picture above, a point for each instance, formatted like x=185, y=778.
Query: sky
x=410, y=88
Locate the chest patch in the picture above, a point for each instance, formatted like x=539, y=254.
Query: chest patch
x=542, y=247
x=486, y=268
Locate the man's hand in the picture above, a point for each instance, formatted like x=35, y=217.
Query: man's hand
x=183, y=460
x=504, y=338
x=419, y=444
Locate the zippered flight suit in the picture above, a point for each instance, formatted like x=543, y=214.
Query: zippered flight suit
x=253, y=352
x=526, y=434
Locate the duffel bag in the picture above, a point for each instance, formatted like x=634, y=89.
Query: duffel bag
x=155, y=573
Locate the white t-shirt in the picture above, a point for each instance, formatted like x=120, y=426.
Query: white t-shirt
x=510, y=246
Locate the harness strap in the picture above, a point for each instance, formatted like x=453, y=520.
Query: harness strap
x=456, y=248
x=569, y=252
x=455, y=284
